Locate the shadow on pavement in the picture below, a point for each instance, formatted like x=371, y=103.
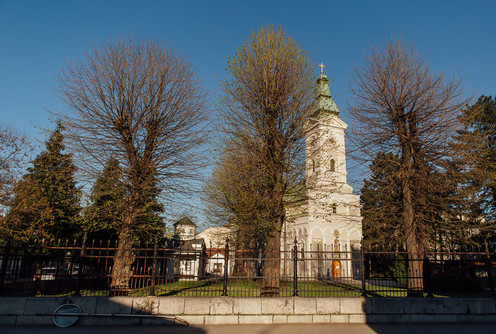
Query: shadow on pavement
x=107, y=313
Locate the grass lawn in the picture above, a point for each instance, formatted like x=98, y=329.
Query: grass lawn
x=234, y=289
x=247, y=288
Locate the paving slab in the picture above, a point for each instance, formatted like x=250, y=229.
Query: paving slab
x=12, y=305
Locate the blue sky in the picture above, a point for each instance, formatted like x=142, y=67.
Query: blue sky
x=37, y=37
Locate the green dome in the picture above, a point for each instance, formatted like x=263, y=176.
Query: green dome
x=324, y=105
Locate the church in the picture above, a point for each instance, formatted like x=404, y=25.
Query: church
x=328, y=217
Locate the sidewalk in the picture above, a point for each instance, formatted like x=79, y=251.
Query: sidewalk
x=263, y=329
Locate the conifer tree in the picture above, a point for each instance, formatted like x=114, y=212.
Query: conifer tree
x=476, y=151
x=438, y=209
x=103, y=218
x=106, y=211
x=381, y=203
x=46, y=202
x=149, y=221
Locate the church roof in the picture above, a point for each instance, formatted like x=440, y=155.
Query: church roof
x=324, y=105
x=185, y=221
x=186, y=245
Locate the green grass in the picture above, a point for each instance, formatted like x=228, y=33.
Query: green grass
x=234, y=289
x=244, y=288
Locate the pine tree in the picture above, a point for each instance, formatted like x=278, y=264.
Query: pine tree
x=103, y=218
x=476, y=147
x=149, y=220
x=381, y=203
x=106, y=211
x=46, y=202
x=437, y=209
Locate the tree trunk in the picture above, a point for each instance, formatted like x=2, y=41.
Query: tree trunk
x=123, y=260
x=244, y=265
x=244, y=259
x=272, y=264
x=415, y=283
x=415, y=271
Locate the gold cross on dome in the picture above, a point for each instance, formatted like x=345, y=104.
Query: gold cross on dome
x=321, y=68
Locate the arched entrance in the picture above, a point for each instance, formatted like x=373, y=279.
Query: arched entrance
x=336, y=269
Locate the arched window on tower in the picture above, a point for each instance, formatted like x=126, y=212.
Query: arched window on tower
x=336, y=241
x=333, y=165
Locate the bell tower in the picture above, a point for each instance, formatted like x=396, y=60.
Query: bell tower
x=328, y=217
x=325, y=144
x=184, y=229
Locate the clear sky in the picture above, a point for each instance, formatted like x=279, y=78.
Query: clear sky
x=37, y=37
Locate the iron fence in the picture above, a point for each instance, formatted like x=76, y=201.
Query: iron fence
x=72, y=270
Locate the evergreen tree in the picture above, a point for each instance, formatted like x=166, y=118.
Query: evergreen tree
x=438, y=209
x=104, y=217
x=106, y=211
x=381, y=203
x=46, y=202
x=149, y=221
x=476, y=148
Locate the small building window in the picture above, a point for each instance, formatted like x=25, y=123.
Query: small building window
x=333, y=165
x=334, y=208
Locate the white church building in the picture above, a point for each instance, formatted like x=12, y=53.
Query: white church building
x=326, y=223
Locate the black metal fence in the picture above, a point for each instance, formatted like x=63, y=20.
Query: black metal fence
x=72, y=270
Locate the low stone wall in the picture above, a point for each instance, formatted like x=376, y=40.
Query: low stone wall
x=225, y=310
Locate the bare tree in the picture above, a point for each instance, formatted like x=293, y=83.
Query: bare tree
x=14, y=149
x=400, y=107
x=139, y=103
x=267, y=95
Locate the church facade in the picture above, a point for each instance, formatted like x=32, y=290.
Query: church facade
x=326, y=223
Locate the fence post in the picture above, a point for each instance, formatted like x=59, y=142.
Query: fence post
x=362, y=262
x=226, y=267
x=5, y=261
x=37, y=282
x=489, y=269
x=427, y=271
x=81, y=264
x=154, y=267
x=295, y=268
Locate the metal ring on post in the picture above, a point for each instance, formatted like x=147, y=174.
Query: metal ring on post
x=66, y=315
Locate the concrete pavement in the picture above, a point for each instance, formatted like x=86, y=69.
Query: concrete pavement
x=263, y=329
